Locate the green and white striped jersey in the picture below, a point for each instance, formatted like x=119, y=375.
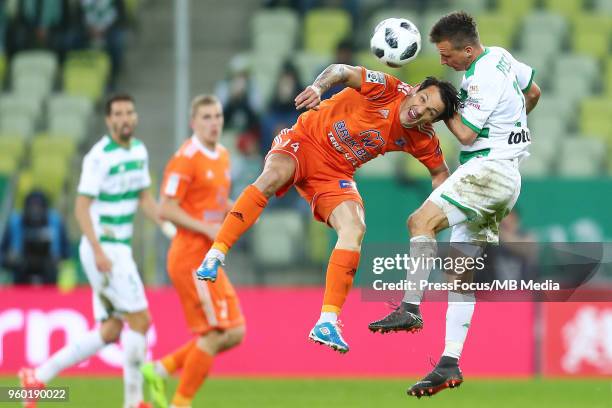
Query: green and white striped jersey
x=114, y=176
x=493, y=105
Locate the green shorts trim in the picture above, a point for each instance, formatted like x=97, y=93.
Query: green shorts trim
x=471, y=214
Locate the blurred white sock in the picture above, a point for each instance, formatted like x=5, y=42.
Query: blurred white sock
x=160, y=369
x=330, y=317
x=421, y=247
x=134, y=353
x=215, y=253
x=70, y=355
x=458, y=319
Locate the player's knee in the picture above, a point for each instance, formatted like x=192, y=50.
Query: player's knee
x=273, y=179
x=110, y=330
x=145, y=323
x=417, y=224
x=235, y=336
x=350, y=236
x=140, y=322
x=358, y=229
x=211, y=342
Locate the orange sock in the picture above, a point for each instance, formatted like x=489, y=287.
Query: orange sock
x=243, y=215
x=195, y=370
x=341, y=270
x=175, y=360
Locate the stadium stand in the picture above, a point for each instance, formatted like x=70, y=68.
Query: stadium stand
x=337, y=23
x=286, y=226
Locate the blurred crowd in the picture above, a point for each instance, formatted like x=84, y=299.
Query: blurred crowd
x=64, y=25
x=255, y=122
x=35, y=242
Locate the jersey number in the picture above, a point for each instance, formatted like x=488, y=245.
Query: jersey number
x=295, y=146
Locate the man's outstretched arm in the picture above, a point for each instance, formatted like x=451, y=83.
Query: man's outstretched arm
x=334, y=74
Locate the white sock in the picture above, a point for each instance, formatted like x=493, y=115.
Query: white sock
x=160, y=369
x=215, y=253
x=458, y=319
x=134, y=353
x=330, y=317
x=70, y=355
x=422, y=247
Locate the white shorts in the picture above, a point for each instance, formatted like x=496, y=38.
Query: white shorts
x=119, y=291
x=477, y=196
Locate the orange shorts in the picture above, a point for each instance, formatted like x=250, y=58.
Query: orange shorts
x=317, y=180
x=207, y=305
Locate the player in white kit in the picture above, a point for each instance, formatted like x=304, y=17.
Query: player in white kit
x=497, y=92
x=114, y=183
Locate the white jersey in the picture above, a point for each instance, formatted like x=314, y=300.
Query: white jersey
x=114, y=176
x=493, y=105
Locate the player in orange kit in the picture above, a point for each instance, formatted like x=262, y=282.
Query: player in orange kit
x=375, y=114
x=195, y=193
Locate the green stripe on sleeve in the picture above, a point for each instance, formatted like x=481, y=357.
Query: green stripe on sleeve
x=484, y=133
x=530, y=81
x=117, y=219
x=467, y=123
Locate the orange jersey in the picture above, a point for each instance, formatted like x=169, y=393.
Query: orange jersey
x=200, y=180
x=353, y=127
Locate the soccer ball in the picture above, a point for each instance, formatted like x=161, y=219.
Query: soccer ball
x=396, y=41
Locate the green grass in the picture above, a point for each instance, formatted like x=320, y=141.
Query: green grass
x=366, y=393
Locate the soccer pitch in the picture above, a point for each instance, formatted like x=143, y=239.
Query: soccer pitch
x=308, y=393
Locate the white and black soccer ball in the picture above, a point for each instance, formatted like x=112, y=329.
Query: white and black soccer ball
x=396, y=41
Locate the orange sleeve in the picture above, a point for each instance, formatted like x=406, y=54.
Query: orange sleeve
x=177, y=177
x=426, y=148
x=377, y=85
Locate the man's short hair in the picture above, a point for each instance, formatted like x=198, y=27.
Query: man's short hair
x=459, y=28
x=203, y=100
x=448, y=94
x=119, y=97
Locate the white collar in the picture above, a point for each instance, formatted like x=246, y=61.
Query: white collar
x=211, y=154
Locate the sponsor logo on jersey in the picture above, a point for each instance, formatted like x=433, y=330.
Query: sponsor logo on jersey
x=346, y=138
x=519, y=137
x=375, y=77
x=346, y=183
x=371, y=139
x=472, y=104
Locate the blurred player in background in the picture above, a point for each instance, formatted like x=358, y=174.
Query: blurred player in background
x=114, y=183
x=376, y=114
x=497, y=93
x=195, y=193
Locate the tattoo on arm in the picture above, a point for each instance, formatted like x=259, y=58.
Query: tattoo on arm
x=332, y=75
